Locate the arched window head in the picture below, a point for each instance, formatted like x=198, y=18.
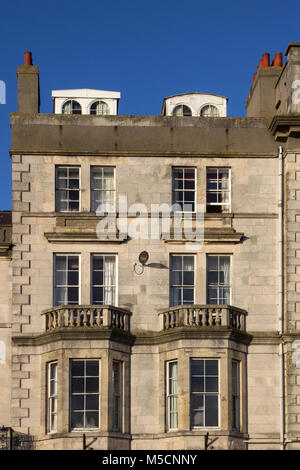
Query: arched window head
x=99, y=107
x=182, y=110
x=71, y=107
x=209, y=111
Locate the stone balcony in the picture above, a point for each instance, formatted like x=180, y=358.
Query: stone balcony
x=204, y=316
x=87, y=317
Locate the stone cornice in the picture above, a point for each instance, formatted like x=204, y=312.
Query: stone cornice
x=283, y=127
x=135, y=338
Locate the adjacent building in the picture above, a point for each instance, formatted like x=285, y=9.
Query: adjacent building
x=150, y=294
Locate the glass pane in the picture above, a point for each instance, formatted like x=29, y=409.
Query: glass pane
x=53, y=370
x=61, y=262
x=74, y=206
x=175, y=296
x=212, y=263
x=77, y=420
x=197, y=402
x=197, y=367
x=98, y=262
x=177, y=278
x=74, y=173
x=73, y=195
x=53, y=425
x=92, y=368
x=61, y=172
x=197, y=418
x=178, y=173
x=212, y=277
x=98, y=295
x=178, y=184
x=77, y=385
x=211, y=384
x=177, y=263
x=73, y=278
x=211, y=367
x=188, y=263
x=211, y=410
x=92, y=402
x=197, y=384
x=188, y=296
x=77, y=368
x=61, y=278
x=53, y=387
x=60, y=206
x=212, y=197
x=61, y=183
x=73, y=295
x=188, y=278
x=73, y=263
x=189, y=184
x=189, y=174
x=60, y=296
x=92, y=419
x=92, y=385
x=77, y=402
x=212, y=296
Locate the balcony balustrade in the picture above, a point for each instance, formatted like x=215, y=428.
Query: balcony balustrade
x=87, y=316
x=205, y=316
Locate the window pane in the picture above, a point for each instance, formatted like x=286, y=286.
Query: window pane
x=92, y=419
x=73, y=278
x=211, y=384
x=98, y=262
x=77, y=402
x=77, y=368
x=176, y=296
x=98, y=295
x=211, y=367
x=177, y=278
x=188, y=278
x=92, y=402
x=92, y=385
x=197, y=367
x=197, y=384
x=211, y=410
x=177, y=263
x=92, y=368
x=188, y=296
x=77, y=385
x=77, y=420
x=73, y=295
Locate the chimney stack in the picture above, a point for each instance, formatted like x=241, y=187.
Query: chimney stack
x=28, y=86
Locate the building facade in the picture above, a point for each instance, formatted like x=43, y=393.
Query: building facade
x=150, y=294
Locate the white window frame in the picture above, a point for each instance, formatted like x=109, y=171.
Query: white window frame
x=52, y=398
x=182, y=286
x=218, y=285
x=174, y=191
x=57, y=189
x=209, y=105
x=182, y=105
x=94, y=191
x=117, y=395
x=99, y=114
x=84, y=393
x=205, y=393
x=236, y=394
x=170, y=396
x=219, y=191
x=67, y=255
x=71, y=101
x=92, y=285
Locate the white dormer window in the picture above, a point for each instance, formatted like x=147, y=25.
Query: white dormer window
x=71, y=107
x=182, y=110
x=209, y=111
x=99, y=107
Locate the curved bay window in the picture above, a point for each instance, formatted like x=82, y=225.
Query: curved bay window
x=71, y=107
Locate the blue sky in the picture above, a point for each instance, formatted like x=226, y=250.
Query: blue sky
x=145, y=49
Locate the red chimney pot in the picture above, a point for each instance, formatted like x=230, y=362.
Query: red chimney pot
x=266, y=60
x=278, y=59
x=28, y=58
